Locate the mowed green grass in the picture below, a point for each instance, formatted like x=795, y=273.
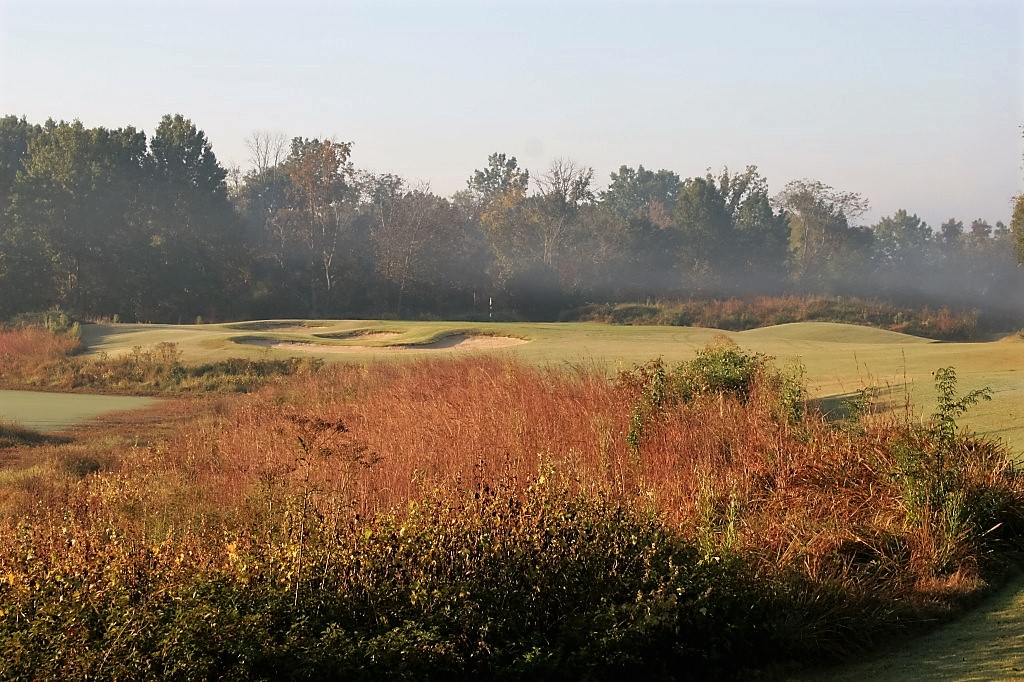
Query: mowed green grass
x=839, y=359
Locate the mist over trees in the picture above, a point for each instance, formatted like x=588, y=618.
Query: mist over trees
x=114, y=223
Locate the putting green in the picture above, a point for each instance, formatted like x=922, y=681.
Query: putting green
x=839, y=359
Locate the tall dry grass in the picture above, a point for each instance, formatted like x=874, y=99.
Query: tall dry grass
x=37, y=343
x=414, y=502
x=365, y=440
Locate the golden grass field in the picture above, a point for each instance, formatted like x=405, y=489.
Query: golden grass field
x=839, y=359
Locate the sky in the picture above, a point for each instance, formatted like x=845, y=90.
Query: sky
x=914, y=104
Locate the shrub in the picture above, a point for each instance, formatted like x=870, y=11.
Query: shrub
x=540, y=581
x=949, y=492
x=720, y=370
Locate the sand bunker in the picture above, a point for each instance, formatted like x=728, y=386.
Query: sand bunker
x=454, y=342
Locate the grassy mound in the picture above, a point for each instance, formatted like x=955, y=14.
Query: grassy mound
x=763, y=311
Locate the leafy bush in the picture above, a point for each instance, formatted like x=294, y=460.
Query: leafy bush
x=547, y=583
x=720, y=370
x=947, y=487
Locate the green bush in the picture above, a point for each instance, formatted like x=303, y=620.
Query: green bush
x=719, y=371
x=505, y=585
x=946, y=477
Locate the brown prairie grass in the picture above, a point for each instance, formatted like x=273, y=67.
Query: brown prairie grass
x=414, y=488
x=825, y=500
x=34, y=343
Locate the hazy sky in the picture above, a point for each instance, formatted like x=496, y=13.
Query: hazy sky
x=916, y=105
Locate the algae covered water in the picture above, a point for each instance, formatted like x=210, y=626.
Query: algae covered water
x=49, y=412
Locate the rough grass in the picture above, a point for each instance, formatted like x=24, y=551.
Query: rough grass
x=839, y=359
x=485, y=517
x=147, y=371
x=740, y=314
x=33, y=344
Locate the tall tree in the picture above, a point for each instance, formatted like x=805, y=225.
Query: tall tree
x=950, y=235
x=706, y=231
x=731, y=239
x=1017, y=226
x=901, y=239
x=986, y=264
x=510, y=224
x=263, y=192
x=425, y=252
x=562, y=191
x=634, y=236
x=321, y=206
x=757, y=262
x=501, y=176
x=198, y=235
x=74, y=216
x=16, y=263
x=641, y=193
x=403, y=229
x=263, y=187
x=496, y=200
x=15, y=135
x=903, y=253
x=825, y=247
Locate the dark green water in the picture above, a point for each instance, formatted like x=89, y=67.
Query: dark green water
x=50, y=412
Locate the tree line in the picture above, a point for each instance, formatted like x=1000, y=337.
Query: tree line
x=154, y=228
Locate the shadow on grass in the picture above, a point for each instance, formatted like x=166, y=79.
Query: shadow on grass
x=849, y=406
x=13, y=435
x=984, y=644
